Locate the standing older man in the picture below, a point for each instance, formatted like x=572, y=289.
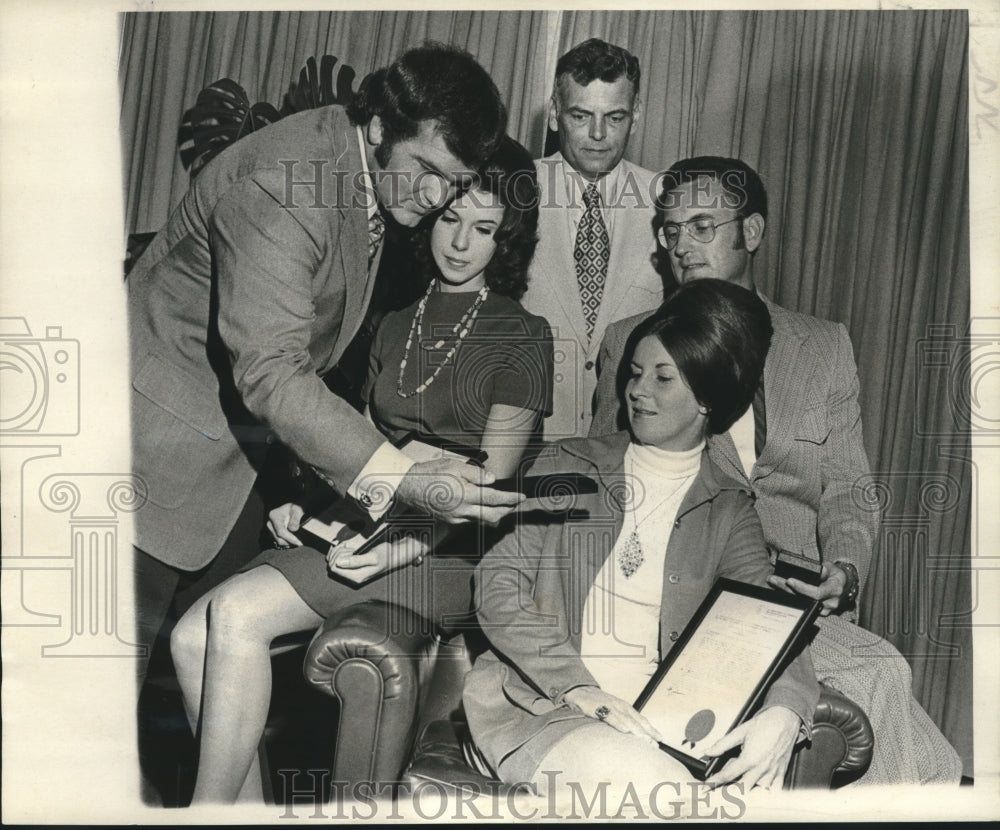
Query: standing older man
x=799, y=448
x=253, y=290
x=593, y=261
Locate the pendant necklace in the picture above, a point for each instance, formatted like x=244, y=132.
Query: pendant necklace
x=630, y=555
x=460, y=331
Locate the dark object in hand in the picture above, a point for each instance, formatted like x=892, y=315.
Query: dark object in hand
x=790, y=565
x=552, y=486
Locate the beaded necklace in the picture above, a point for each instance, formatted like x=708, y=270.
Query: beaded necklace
x=460, y=331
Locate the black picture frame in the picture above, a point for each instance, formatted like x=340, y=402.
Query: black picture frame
x=784, y=646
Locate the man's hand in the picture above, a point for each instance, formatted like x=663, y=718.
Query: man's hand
x=381, y=559
x=767, y=740
x=590, y=700
x=455, y=492
x=282, y=522
x=830, y=590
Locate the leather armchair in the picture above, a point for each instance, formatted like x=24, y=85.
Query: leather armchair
x=401, y=720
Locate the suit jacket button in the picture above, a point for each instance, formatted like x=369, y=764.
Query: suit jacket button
x=677, y=523
x=588, y=365
x=673, y=636
x=673, y=579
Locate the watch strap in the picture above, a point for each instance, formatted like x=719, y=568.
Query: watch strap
x=853, y=582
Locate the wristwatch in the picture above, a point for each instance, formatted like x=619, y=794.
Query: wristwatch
x=853, y=583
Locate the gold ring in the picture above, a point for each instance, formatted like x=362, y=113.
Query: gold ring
x=602, y=712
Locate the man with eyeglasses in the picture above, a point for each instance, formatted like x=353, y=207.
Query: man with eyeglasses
x=593, y=260
x=799, y=448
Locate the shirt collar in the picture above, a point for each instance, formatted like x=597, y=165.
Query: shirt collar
x=608, y=185
x=367, y=184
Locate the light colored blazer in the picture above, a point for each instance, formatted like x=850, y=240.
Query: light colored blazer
x=253, y=289
x=632, y=286
x=531, y=588
x=813, y=462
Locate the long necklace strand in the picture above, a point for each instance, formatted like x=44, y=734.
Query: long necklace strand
x=460, y=331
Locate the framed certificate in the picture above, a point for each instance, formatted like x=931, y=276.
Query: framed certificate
x=715, y=677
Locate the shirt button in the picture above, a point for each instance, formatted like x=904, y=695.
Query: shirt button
x=673, y=579
x=588, y=365
x=673, y=636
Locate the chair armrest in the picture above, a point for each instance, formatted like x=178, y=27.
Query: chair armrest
x=374, y=658
x=439, y=758
x=841, y=742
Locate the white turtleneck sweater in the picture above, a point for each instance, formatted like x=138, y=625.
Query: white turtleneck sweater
x=621, y=617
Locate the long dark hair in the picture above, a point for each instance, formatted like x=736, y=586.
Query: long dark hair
x=509, y=174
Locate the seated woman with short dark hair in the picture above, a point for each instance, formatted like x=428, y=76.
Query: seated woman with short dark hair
x=580, y=611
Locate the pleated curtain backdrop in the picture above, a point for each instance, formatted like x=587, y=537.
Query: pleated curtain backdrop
x=858, y=122
x=168, y=58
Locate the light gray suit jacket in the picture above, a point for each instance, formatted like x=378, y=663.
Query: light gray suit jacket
x=813, y=464
x=632, y=286
x=252, y=290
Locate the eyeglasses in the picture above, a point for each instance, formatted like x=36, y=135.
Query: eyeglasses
x=700, y=229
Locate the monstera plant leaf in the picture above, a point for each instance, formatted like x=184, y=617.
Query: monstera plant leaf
x=223, y=112
x=331, y=83
x=221, y=115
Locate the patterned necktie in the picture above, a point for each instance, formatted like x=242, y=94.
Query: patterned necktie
x=591, y=253
x=376, y=229
x=759, y=420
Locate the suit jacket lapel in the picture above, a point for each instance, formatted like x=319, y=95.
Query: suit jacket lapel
x=722, y=450
x=359, y=280
x=562, y=280
x=627, y=235
x=784, y=389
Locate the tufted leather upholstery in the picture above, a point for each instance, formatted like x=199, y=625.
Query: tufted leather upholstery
x=401, y=706
x=379, y=680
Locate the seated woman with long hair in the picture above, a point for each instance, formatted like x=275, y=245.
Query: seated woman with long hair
x=465, y=363
x=580, y=611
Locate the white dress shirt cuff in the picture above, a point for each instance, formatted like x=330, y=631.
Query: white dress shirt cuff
x=376, y=484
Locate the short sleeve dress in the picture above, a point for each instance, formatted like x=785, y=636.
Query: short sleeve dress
x=506, y=358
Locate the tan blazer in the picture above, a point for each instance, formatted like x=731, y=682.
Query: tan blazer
x=632, y=286
x=253, y=289
x=806, y=477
